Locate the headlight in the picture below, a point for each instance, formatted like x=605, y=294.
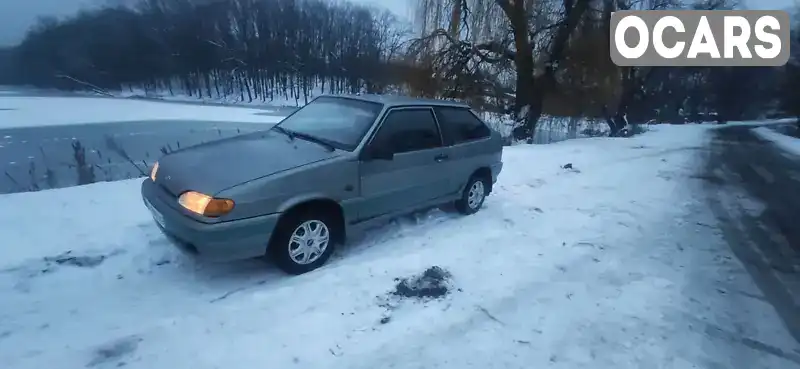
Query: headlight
x=205, y=205
x=153, y=172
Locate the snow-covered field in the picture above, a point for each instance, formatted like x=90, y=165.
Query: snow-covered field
x=616, y=263
x=24, y=111
x=786, y=143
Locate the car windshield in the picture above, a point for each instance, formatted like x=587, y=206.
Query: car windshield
x=341, y=122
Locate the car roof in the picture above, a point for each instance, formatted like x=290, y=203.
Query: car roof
x=397, y=100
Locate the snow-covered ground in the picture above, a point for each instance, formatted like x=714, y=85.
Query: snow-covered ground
x=616, y=263
x=25, y=111
x=787, y=143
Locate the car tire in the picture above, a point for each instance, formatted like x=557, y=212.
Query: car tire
x=474, y=195
x=290, y=244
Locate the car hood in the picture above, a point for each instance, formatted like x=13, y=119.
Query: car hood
x=212, y=167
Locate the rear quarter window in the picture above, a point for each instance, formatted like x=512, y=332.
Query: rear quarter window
x=459, y=125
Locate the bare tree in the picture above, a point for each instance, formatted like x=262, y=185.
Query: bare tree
x=529, y=36
x=248, y=49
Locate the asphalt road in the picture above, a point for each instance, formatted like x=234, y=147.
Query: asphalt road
x=754, y=188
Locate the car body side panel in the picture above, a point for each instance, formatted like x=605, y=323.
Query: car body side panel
x=405, y=182
x=336, y=179
x=468, y=157
x=496, y=168
x=356, y=229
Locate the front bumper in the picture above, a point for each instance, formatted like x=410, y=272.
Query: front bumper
x=223, y=241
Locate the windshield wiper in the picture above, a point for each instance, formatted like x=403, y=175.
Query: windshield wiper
x=313, y=139
x=285, y=131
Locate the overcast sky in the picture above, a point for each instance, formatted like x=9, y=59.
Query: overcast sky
x=17, y=15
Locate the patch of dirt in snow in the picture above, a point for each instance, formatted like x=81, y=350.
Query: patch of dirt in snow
x=81, y=261
x=569, y=168
x=115, y=351
x=433, y=283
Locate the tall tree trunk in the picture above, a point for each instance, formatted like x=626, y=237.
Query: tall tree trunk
x=531, y=88
x=216, y=82
x=524, y=64
x=207, y=76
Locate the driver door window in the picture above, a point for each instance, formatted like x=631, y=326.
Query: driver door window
x=409, y=130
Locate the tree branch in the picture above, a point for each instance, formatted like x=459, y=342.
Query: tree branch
x=482, y=51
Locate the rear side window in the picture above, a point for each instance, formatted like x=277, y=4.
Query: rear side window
x=460, y=125
x=409, y=130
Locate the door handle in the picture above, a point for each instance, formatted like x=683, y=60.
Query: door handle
x=441, y=157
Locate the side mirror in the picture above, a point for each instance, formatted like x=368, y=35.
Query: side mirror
x=378, y=152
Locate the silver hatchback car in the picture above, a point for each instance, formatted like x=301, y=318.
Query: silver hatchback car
x=333, y=167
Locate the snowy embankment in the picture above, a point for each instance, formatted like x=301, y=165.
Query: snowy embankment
x=786, y=143
x=615, y=263
x=234, y=99
x=26, y=111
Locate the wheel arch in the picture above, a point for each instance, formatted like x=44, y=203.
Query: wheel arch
x=313, y=204
x=486, y=173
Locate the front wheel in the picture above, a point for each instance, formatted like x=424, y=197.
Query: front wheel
x=473, y=196
x=304, y=242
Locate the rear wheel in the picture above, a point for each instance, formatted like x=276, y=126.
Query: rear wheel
x=473, y=196
x=304, y=241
